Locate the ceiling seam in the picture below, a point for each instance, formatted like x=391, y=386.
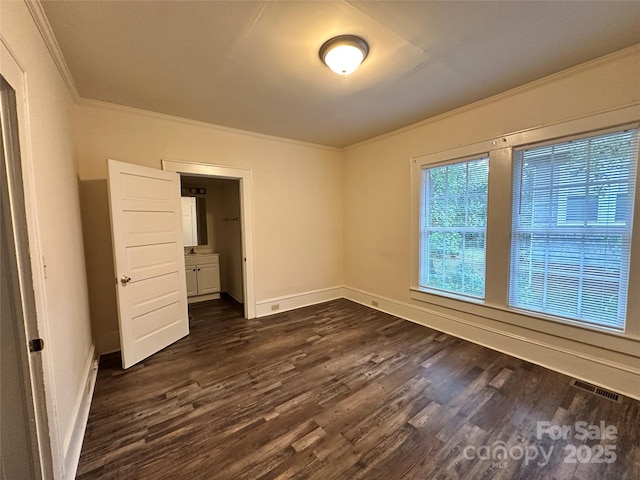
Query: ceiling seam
x=382, y=25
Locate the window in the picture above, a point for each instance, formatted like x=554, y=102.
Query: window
x=453, y=227
x=571, y=227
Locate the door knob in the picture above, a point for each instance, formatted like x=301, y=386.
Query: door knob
x=124, y=279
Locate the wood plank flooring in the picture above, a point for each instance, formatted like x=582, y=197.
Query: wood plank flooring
x=340, y=391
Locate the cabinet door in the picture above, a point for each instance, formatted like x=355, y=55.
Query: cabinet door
x=192, y=281
x=208, y=278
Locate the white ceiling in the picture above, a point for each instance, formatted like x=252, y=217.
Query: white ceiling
x=255, y=65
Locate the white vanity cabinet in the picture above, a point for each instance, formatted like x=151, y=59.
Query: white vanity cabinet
x=203, y=277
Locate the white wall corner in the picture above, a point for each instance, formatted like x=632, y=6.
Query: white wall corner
x=598, y=371
x=108, y=342
x=235, y=295
x=273, y=306
x=73, y=438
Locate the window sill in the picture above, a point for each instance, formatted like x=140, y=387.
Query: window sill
x=442, y=298
x=548, y=324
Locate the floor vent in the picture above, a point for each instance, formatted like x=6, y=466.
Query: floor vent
x=601, y=392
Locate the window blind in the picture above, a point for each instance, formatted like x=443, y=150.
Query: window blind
x=453, y=221
x=571, y=228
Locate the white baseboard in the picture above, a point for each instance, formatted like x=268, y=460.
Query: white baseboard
x=203, y=298
x=619, y=378
x=273, y=306
x=73, y=439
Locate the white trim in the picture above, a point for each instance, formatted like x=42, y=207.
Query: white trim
x=298, y=300
x=246, y=217
x=87, y=102
x=203, y=298
x=629, y=51
x=49, y=441
x=606, y=119
x=499, y=231
x=74, y=437
x=44, y=27
x=611, y=375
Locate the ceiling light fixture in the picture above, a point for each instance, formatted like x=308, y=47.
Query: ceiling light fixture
x=344, y=54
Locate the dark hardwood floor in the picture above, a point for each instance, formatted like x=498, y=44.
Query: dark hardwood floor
x=340, y=391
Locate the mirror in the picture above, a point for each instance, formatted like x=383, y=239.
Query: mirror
x=194, y=221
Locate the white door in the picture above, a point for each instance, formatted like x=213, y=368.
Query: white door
x=146, y=226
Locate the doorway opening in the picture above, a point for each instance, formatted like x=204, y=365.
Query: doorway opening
x=216, y=230
x=229, y=224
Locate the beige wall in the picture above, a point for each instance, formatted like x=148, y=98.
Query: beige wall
x=297, y=192
x=53, y=208
x=377, y=200
x=377, y=173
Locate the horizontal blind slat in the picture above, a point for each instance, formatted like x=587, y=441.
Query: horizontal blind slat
x=571, y=229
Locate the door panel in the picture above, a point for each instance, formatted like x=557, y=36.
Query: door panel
x=157, y=323
x=151, y=260
x=138, y=187
x=154, y=293
x=146, y=225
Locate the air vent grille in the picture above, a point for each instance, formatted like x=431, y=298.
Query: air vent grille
x=601, y=392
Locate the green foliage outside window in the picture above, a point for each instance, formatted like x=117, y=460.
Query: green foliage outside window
x=454, y=217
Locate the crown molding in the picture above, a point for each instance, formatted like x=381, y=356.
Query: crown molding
x=628, y=51
x=114, y=107
x=41, y=21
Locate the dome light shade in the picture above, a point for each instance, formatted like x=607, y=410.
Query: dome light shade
x=344, y=54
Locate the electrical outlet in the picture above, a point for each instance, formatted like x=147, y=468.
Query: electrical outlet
x=275, y=306
x=374, y=303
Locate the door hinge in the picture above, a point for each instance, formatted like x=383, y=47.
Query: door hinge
x=36, y=345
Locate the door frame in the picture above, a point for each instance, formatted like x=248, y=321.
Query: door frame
x=245, y=178
x=28, y=267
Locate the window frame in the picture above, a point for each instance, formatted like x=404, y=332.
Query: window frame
x=435, y=290
x=495, y=307
x=587, y=226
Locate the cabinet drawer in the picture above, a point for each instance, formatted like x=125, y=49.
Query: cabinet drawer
x=203, y=259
